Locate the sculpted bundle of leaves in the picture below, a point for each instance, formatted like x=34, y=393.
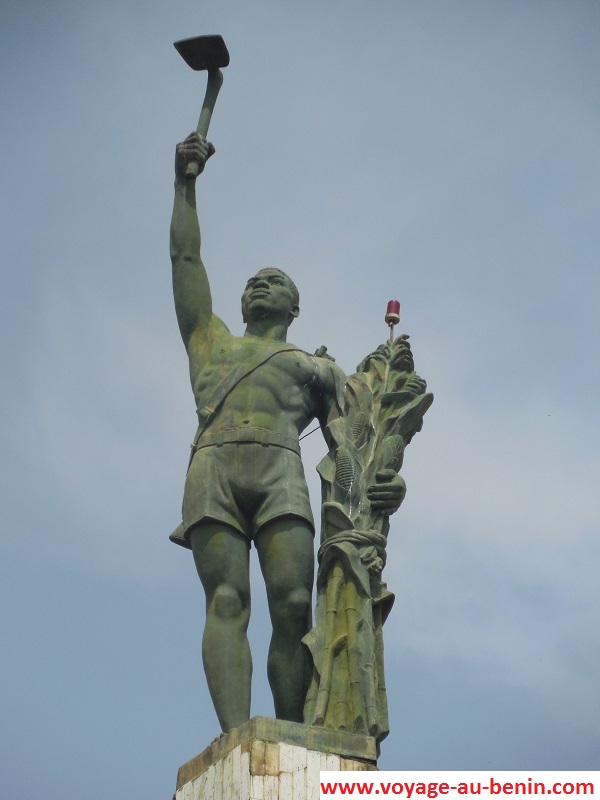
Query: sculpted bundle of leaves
x=384, y=404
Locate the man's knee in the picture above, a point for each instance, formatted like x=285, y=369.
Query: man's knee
x=228, y=602
x=295, y=607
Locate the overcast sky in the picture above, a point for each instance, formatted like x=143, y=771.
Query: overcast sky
x=445, y=153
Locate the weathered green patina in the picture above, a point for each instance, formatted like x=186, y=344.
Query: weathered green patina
x=383, y=408
x=254, y=395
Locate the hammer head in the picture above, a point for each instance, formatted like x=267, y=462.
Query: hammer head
x=203, y=52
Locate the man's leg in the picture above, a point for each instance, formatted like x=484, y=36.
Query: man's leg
x=222, y=560
x=286, y=552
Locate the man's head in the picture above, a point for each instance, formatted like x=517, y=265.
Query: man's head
x=270, y=293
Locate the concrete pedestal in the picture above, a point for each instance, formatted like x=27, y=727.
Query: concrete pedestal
x=268, y=759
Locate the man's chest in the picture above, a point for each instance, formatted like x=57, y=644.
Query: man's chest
x=283, y=371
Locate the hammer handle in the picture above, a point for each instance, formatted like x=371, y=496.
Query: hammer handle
x=215, y=81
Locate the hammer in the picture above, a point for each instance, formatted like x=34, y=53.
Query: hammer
x=200, y=53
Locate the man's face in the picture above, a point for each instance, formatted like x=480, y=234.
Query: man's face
x=269, y=294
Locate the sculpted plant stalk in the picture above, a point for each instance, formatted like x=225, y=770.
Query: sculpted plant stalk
x=383, y=408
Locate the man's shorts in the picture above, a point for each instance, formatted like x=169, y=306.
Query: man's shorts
x=245, y=485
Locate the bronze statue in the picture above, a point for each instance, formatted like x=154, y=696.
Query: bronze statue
x=255, y=395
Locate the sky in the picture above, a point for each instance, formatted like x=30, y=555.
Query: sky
x=445, y=154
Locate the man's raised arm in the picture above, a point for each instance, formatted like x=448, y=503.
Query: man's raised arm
x=193, y=301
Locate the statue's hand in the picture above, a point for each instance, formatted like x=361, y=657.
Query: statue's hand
x=193, y=148
x=387, y=494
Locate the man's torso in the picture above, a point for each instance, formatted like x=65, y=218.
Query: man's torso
x=245, y=481
x=283, y=394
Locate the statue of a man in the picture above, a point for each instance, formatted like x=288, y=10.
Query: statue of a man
x=255, y=395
